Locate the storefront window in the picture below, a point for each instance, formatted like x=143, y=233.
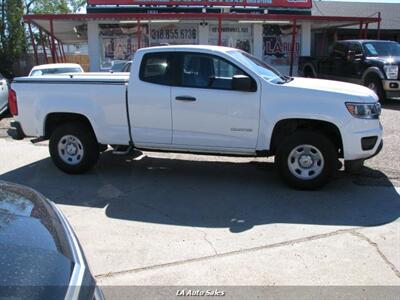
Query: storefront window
x=119, y=43
x=233, y=35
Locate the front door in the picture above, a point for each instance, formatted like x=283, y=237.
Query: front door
x=207, y=113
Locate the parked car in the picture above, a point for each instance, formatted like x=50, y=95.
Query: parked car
x=372, y=63
x=127, y=67
x=3, y=94
x=202, y=99
x=40, y=256
x=51, y=69
x=117, y=65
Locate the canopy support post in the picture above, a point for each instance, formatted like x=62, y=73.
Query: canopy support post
x=219, y=31
x=33, y=43
x=293, y=46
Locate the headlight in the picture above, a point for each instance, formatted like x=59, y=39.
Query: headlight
x=364, y=110
x=391, y=71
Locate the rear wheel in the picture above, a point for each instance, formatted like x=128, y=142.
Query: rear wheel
x=306, y=160
x=74, y=148
x=374, y=83
x=308, y=72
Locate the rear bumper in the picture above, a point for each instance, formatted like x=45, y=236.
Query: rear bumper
x=18, y=133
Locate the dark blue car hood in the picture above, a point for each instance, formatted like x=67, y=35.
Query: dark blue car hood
x=35, y=258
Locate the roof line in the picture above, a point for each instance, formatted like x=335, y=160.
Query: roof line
x=247, y=16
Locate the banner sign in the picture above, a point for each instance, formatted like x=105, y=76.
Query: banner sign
x=233, y=35
x=277, y=46
x=260, y=3
x=174, y=34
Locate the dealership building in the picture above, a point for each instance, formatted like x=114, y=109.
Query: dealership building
x=276, y=31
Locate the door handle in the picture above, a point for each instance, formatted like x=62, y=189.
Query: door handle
x=185, y=98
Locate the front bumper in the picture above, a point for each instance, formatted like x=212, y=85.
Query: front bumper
x=354, y=133
x=391, y=88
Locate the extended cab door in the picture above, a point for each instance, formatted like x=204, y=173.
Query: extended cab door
x=207, y=113
x=150, y=99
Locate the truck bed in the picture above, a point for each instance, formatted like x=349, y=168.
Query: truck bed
x=99, y=96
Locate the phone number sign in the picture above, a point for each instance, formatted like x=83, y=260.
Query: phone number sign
x=174, y=34
x=263, y=3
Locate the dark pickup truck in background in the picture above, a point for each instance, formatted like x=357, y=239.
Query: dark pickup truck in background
x=372, y=63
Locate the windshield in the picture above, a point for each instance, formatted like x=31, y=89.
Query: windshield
x=382, y=49
x=55, y=71
x=258, y=66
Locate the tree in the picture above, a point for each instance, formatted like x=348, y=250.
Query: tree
x=53, y=7
x=12, y=36
x=12, y=30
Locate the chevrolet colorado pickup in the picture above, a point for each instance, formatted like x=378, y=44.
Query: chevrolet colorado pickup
x=372, y=63
x=202, y=99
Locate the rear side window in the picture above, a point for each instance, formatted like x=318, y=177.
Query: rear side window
x=157, y=68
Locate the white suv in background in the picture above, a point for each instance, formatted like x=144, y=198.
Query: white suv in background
x=3, y=94
x=51, y=69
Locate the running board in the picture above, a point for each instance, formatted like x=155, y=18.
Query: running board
x=38, y=140
x=126, y=152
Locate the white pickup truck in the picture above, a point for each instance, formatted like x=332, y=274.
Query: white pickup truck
x=202, y=99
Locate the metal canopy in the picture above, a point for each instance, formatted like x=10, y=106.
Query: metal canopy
x=70, y=28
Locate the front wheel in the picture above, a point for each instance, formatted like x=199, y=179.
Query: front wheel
x=74, y=148
x=306, y=160
x=375, y=84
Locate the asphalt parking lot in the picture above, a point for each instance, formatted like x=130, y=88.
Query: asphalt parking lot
x=175, y=219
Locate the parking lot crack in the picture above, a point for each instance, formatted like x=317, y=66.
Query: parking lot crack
x=377, y=249
x=227, y=254
x=207, y=240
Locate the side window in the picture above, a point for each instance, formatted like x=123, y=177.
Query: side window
x=206, y=71
x=356, y=48
x=156, y=68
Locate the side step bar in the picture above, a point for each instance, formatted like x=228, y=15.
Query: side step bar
x=123, y=152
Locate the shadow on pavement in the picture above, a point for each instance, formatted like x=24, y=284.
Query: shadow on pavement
x=392, y=104
x=237, y=196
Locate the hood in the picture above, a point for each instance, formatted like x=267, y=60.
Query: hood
x=355, y=91
x=34, y=249
x=391, y=60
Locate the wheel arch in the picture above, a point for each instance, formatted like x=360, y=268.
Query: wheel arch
x=286, y=127
x=309, y=66
x=372, y=71
x=56, y=119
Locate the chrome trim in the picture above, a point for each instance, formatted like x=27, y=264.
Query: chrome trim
x=79, y=263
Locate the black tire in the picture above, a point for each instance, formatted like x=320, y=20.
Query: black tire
x=375, y=84
x=316, y=140
x=354, y=167
x=88, y=144
x=308, y=73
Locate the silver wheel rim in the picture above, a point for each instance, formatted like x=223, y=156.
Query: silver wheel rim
x=306, y=162
x=70, y=149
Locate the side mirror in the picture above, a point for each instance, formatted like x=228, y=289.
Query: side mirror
x=351, y=55
x=242, y=83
